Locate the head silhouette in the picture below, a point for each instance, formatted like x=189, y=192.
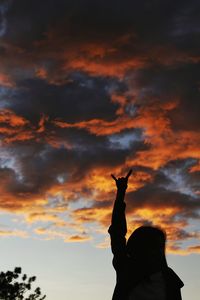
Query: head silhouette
x=147, y=244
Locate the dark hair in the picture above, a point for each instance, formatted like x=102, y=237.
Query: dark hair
x=147, y=239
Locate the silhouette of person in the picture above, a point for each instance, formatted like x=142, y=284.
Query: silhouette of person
x=141, y=268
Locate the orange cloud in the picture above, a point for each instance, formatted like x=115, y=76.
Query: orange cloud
x=41, y=217
x=195, y=168
x=41, y=73
x=99, y=67
x=41, y=124
x=10, y=118
x=100, y=57
x=65, y=236
x=177, y=250
x=6, y=81
x=165, y=144
x=16, y=233
x=77, y=239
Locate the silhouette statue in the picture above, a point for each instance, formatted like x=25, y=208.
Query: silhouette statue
x=141, y=268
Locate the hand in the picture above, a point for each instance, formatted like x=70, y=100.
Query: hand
x=122, y=182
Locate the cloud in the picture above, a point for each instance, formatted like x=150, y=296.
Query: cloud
x=92, y=89
x=78, y=239
x=15, y=233
x=4, y=6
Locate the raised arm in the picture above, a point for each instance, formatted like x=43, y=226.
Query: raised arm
x=118, y=226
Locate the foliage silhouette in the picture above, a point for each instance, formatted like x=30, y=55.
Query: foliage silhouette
x=17, y=286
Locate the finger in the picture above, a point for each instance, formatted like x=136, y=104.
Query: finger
x=129, y=173
x=113, y=177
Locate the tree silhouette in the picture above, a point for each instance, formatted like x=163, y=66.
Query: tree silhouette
x=17, y=286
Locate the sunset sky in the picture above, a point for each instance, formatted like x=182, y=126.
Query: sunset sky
x=89, y=88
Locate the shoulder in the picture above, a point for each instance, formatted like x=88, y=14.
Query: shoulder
x=172, y=278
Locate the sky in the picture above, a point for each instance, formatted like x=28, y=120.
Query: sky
x=89, y=88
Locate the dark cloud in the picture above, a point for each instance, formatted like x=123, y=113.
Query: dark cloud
x=39, y=165
x=83, y=98
x=179, y=83
x=174, y=190
x=100, y=17
x=154, y=197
